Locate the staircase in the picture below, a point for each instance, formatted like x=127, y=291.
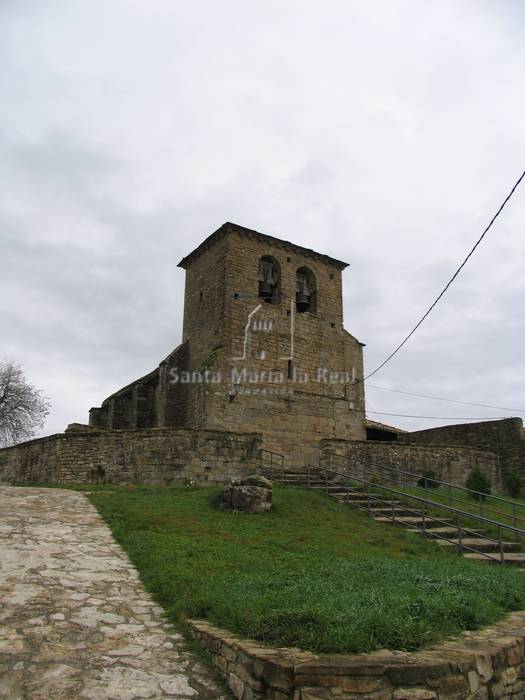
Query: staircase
x=466, y=533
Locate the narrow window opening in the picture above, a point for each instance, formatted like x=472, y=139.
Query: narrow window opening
x=290, y=369
x=269, y=280
x=306, y=291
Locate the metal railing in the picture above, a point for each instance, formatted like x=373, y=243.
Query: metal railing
x=391, y=501
x=271, y=462
x=406, y=479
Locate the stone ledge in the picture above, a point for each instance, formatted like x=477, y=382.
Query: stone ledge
x=488, y=663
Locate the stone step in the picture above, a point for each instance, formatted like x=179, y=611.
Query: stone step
x=480, y=543
x=316, y=484
x=512, y=558
x=412, y=520
x=446, y=531
x=358, y=502
x=357, y=498
x=331, y=487
x=355, y=495
x=400, y=511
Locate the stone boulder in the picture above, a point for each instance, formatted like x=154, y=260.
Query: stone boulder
x=250, y=495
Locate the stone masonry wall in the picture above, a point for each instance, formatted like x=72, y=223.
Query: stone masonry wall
x=474, y=666
x=292, y=414
x=452, y=464
x=505, y=437
x=156, y=456
x=247, y=365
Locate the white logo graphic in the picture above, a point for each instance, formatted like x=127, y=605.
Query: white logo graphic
x=265, y=325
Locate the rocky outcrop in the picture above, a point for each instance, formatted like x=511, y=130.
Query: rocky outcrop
x=250, y=495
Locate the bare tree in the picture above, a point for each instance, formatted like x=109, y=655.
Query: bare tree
x=23, y=409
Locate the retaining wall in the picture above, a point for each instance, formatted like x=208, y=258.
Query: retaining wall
x=452, y=464
x=474, y=666
x=155, y=456
x=506, y=437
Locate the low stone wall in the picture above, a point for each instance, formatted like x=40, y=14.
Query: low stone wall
x=506, y=437
x=474, y=666
x=452, y=464
x=155, y=456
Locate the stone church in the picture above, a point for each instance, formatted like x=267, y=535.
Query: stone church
x=263, y=350
x=265, y=367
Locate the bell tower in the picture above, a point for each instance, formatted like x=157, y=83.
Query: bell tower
x=264, y=318
x=264, y=351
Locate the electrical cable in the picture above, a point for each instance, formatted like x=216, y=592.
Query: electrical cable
x=404, y=415
x=456, y=273
x=438, y=398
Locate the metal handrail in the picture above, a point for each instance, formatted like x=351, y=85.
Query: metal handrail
x=280, y=460
x=422, y=512
x=434, y=503
x=483, y=507
x=479, y=494
x=460, y=529
x=441, y=483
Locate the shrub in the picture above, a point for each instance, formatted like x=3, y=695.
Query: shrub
x=428, y=480
x=478, y=481
x=513, y=484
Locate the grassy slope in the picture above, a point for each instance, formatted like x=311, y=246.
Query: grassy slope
x=491, y=508
x=310, y=573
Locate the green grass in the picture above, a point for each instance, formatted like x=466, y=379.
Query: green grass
x=310, y=573
x=491, y=508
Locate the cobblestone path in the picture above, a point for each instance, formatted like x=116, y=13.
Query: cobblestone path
x=75, y=621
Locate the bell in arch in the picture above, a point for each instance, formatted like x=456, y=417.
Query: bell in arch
x=302, y=300
x=266, y=290
x=305, y=288
x=268, y=280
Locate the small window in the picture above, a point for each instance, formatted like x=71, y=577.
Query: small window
x=306, y=291
x=269, y=280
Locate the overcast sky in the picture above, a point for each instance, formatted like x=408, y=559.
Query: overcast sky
x=385, y=133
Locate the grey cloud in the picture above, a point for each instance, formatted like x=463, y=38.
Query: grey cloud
x=382, y=133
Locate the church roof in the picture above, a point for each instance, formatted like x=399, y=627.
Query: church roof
x=229, y=226
x=382, y=426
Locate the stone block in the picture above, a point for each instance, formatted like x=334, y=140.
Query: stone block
x=414, y=694
x=509, y=676
x=515, y=654
x=315, y=694
x=473, y=681
x=359, y=685
x=484, y=666
x=450, y=687
x=236, y=686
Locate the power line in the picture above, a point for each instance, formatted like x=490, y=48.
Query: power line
x=398, y=348
x=439, y=398
x=367, y=402
x=404, y=415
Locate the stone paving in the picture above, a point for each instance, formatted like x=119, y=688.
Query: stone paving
x=75, y=621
